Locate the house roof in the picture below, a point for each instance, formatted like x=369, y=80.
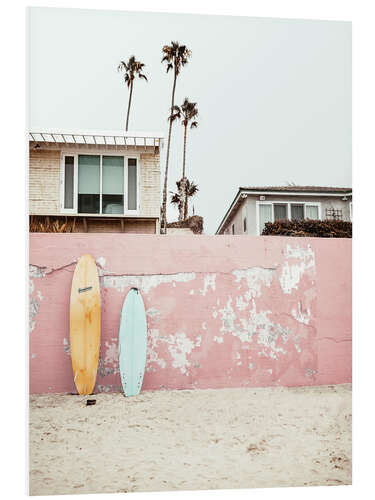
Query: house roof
x=295, y=190
x=96, y=137
x=299, y=189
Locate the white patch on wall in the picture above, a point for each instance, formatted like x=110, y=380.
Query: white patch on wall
x=257, y=326
x=241, y=304
x=66, y=346
x=111, y=355
x=255, y=277
x=34, y=302
x=219, y=340
x=191, y=292
x=180, y=347
x=101, y=262
x=204, y=325
x=302, y=316
x=227, y=317
x=37, y=271
x=209, y=282
x=291, y=273
x=152, y=355
x=144, y=283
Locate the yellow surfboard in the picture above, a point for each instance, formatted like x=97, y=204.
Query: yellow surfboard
x=85, y=324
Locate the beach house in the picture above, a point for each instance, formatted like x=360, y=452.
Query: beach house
x=94, y=181
x=252, y=207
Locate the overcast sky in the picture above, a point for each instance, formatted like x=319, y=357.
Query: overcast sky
x=274, y=95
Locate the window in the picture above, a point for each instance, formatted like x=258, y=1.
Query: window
x=69, y=183
x=99, y=184
x=312, y=212
x=280, y=211
x=296, y=211
x=351, y=210
x=265, y=215
x=88, y=184
x=132, y=184
x=232, y=228
x=113, y=185
x=270, y=212
x=244, y=225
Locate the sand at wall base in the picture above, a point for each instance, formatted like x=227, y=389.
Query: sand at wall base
x=187, y=440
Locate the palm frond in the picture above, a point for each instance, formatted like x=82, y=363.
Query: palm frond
x=175, y=198
x=132, y=68
x=191, y=188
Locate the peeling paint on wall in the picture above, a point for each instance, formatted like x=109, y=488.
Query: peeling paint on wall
x=209, y=282
x=34, y=298
x=66, y=346
x=303, y=259
x=301, y=315
x=144, y=283
x=152, y=349
x=180, y=347
x=255, y=277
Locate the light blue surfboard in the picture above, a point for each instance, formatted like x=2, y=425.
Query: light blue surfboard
x=132, y=343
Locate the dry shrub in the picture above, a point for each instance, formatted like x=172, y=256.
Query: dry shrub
x=310, y=228
x=44, y=224
x=195, y=223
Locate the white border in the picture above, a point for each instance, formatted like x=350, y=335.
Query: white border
x=361, y=12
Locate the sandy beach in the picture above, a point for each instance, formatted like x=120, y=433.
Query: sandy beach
x=189, y=440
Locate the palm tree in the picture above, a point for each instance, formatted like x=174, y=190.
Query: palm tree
x=175, y=56
x=191, y=189
x=187, y=114
x=132, y=69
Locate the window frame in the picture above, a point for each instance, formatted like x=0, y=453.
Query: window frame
x=99, y=153
x=289, y=204
x=73, y=210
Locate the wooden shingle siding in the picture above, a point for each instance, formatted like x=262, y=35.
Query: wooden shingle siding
x=150, y=185
x=44, y=182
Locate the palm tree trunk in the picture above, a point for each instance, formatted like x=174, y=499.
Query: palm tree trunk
x=186, y=204
x=163, y=226
x=129, y=104
x=183, y=197
x=184, y=160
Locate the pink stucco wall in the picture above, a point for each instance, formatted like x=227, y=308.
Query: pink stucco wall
x=222, y=311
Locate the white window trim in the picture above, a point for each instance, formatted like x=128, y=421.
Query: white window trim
x=289, y=209
x=99, y=153
x=62, y=184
